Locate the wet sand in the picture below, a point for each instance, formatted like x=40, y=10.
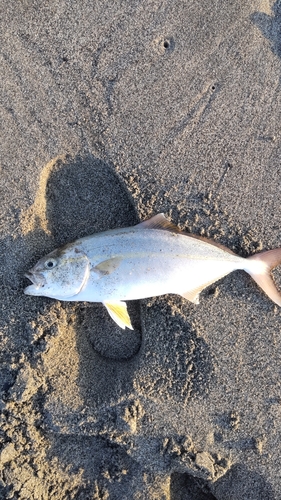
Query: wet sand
x=111, y=113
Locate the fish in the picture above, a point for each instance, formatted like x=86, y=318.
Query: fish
x=149, y=259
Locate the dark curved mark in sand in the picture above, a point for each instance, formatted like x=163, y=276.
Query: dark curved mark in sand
x=270, y=26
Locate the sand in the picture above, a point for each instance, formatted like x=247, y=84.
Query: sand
x=110, y=113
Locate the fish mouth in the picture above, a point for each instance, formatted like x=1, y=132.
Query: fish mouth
x=37, y=280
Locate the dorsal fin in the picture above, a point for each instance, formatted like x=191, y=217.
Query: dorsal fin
x=210, y=241
x=159, y=221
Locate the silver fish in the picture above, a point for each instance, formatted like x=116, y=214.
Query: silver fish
x=150, y=259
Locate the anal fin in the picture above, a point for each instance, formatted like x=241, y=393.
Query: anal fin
x=118, y=312
x=192, y=295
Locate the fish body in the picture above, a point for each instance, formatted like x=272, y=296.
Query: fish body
x=151, y=259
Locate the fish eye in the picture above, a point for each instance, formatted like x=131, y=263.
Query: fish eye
x=50, y=263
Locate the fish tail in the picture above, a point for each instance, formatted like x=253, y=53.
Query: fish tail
x=259, y=267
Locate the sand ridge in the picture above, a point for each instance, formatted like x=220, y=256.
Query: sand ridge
x=35, y=217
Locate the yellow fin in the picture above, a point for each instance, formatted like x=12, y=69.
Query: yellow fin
x=118, y=312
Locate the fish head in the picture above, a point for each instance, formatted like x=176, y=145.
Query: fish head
x=61, y=274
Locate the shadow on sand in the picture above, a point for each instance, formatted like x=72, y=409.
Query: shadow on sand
x=270, y=26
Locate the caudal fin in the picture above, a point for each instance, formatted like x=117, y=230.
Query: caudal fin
x=260, y=267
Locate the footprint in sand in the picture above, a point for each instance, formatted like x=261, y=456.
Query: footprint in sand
x=77, y=197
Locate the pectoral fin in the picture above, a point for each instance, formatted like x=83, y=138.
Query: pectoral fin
x=118, y=312
x=107, y=266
